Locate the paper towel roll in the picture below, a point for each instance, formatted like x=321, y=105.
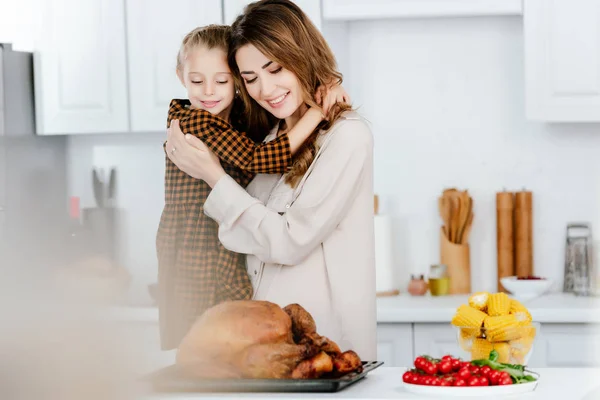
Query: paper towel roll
x=383, y=254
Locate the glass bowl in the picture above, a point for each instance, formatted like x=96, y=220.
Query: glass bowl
x=514, y=344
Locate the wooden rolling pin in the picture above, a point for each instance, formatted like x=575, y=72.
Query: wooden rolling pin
x=505, y=236
x=524, y=233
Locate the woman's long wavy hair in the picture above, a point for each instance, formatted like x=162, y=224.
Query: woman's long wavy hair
x=284, y=34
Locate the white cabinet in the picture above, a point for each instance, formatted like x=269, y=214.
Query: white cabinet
x=349, y=10
x=312, y=8
x=394, y=344
x=155, y=29
x=80, y=68
x=562, y=60
x=436, y=340
x=109, y=65
x=557, y=345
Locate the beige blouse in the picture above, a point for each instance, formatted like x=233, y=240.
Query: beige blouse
x=313, y=244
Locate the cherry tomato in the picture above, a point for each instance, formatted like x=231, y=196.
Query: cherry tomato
x=431, y=368
x=483, y=381
x=460, y=382
x=505, y=381
x=446, y=382
x=436, y=381
x=448, y=357
x=426, y=380
x=456, y=364
x=474, y=369
x=419, y=362
x=465, y=364
x=494, y=377
x=445, y=367
x=464, y=373
x=504, y=375
x=473, y=381
x=485, y=371
x=415, y=379
x=407, y=376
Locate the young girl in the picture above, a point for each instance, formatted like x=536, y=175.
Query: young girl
x=195, y=270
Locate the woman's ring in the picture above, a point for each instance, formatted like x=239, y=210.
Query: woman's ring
x=173, y=151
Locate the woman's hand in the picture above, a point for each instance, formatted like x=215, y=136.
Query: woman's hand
x=192, y=156
x=327, y=95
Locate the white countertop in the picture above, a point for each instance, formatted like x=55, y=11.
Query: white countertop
x=386, y=383
x=551, y=308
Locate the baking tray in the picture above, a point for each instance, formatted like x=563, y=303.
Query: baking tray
x=170, y=379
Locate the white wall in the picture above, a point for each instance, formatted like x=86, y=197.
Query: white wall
x=446, y=102
x=446, y=99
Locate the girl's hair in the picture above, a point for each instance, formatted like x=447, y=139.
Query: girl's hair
x=214, y=37
x=283, y=33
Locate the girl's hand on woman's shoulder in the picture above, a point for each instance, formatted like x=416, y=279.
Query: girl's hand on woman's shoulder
x=327, y=95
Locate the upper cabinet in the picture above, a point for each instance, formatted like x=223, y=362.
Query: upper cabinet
x=80, y=68
x=312, y=8
x=562, y=60
x=109, y=65
x=155, y=29
x=352, y=10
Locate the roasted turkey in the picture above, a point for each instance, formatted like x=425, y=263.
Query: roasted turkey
x=259, y=339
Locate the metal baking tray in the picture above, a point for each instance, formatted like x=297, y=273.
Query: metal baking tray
x=170, y=379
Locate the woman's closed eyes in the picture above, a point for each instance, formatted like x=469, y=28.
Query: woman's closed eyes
x=275, y=71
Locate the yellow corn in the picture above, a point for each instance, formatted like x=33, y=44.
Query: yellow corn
x=520, y=311
x=466, y=338
x=481, y=349
x=498, y=304
x=501, y=328
x=479, y=300
x=503, y=349
x=527, y=331
x=521, y=345
x=468, y=317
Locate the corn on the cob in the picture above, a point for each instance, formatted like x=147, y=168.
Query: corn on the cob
x=520, y=311
x=501, y=328
x=498, y=304
x=503, y=349
x=520, y=347
x=468, y=317
x=479, y=300
x=466, y=338
x=481, y=349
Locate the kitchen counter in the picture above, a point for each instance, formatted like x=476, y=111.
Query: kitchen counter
x=386, y=383
x=551, y=308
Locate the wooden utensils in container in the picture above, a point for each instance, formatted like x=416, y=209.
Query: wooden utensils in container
x=456, y=211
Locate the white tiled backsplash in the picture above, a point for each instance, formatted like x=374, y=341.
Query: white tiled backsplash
x=446, y=102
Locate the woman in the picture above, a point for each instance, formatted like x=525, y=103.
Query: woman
x=309, y=233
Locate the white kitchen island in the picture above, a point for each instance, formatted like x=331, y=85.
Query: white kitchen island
x=386, y=383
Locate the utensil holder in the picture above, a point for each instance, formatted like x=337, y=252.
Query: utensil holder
x=457, y=258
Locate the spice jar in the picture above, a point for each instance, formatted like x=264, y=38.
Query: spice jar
x=417, y=286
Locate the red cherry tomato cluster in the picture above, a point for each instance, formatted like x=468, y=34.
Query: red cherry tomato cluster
x=450, y=371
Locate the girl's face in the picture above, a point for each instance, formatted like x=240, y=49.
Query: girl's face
x=275, y=88
x=208, y=80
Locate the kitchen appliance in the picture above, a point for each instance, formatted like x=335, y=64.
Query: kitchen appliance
x=33, y=178
x=578, y=277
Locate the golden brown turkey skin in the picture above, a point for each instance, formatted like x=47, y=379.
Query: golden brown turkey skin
x=259, y=339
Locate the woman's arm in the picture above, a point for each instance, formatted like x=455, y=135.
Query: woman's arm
x=247, y=226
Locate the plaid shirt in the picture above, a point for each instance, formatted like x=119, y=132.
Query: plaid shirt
x=195, y=271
